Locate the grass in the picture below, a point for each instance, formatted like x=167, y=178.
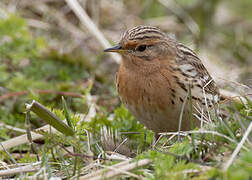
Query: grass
x=102, y=137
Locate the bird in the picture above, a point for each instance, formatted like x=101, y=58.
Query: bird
x=161, y=81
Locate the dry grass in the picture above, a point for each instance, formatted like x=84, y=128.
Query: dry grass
x=107, y=141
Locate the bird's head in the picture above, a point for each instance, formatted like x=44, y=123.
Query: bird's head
x=143, y=46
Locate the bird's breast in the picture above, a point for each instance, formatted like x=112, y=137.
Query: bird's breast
x=144, y=91
x=149, y=99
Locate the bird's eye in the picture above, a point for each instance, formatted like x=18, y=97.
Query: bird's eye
x=141, y=48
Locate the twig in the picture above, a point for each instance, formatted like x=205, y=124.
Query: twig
x=19, y=140
x=238, y=148
x=12, y=128
x=118, y=147
x=119, y=170
x=89, y=24
x=228, y=95
x=80, y=155
x=115, y=170
x=29, y=168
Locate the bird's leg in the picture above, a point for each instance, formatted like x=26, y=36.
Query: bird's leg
x=155, y=139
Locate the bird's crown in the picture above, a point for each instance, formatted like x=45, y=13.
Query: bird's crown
x=143, y=32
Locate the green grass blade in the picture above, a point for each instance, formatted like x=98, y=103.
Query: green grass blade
x=50, y=118
x=66, y=113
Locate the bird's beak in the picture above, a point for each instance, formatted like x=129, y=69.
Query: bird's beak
x=116, y=48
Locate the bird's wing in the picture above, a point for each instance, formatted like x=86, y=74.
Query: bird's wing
x=192, y=67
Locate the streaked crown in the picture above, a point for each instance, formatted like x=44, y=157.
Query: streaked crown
x=143, y=32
